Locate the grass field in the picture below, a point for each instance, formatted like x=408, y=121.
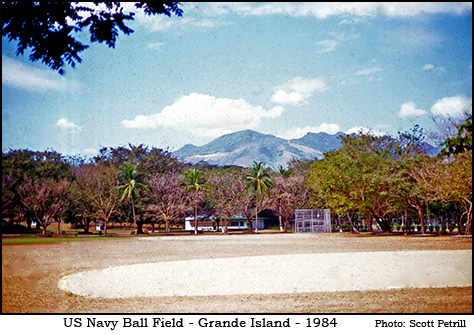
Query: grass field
x=27, y=239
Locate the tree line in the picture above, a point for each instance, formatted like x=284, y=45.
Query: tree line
x=371, y=179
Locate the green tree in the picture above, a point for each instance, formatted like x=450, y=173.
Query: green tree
x=132, y=181
x=194, y=182
x=333, y=184
x=452, y=176
x=359, y=177
x=259, y=180
x=80, y=210
x=410, y=163
x=152, y=160
x=451, y=181
x=461, y=142
x=412, y=186
x=50, y=29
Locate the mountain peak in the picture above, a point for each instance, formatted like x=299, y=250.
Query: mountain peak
x=244, y=147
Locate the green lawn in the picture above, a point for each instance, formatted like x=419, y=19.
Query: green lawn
x=39, y=239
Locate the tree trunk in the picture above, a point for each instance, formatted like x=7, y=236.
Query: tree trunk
x=44, y=225
x=85, y=225
x=139, y=228
x=195, y=219
x=383, y=223
x=279, y=218
x=458, y=219
x=134, y=217
x=167, y=227
x=256, y=219
x=105, y=226
x=28, y=223
x=226, y=225
x=256, y=214
x=468, y=230
x=249, y=222
x=421, y=214
x=351, y=221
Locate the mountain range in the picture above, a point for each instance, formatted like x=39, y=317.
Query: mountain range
x=242, y=148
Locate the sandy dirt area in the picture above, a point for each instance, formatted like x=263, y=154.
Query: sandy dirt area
x=241, y=273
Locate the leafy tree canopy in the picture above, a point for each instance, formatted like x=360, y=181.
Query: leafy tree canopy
x=35, y=164
x=462, y=141
x=48, y=28
x=152, y=160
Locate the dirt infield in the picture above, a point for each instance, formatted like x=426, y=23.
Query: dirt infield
x=31, y=273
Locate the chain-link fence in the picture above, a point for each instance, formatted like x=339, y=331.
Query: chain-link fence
x=312, y=221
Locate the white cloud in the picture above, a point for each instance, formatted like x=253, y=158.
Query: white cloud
x=454, y=107
x=327, y=45
x=432, y=68
x=322, y=10
x=350, y=21
x=216, y=14
x=365, y=72
x=288, y=98
x=329, y=128
x=68, y=125
x=409, y=109
x=330, y=45
x=205, y=115
x=163, y=22
x=297, y=90
x=154, y=45
x=374, y=78
x=19, y=75
x=428, y=67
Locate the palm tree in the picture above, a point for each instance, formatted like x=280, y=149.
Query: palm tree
x=283, y=172
x=132, y=183
x=193, y=182
x=259, y=180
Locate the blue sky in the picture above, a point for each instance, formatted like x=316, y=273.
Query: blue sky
x=278, y=68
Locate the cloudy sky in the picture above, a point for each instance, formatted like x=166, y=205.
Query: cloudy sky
x=278, y=68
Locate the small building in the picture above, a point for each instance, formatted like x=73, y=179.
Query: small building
x=241, y=222
x=237, y=222
x=204, y=223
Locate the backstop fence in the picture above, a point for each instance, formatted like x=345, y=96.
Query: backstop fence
x=312, y=221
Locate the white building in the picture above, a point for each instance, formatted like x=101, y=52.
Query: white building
x=237, y=222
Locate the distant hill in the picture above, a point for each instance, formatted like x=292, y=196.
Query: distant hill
x=242, y=148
